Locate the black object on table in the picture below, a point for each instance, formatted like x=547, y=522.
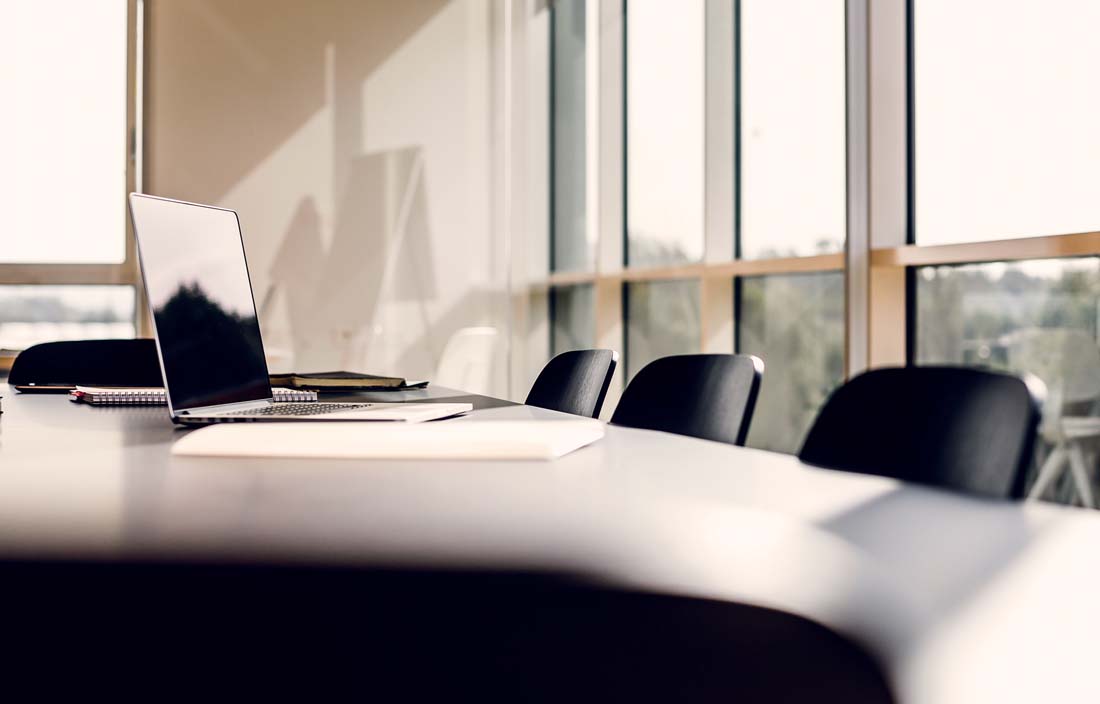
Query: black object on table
x=59, y=366
x=575, y=382
x=708, y=396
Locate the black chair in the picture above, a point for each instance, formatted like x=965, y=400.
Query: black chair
x=709, y=396
x=87, y=362
x=952, y=427
x=575, y=382
x=368, y=633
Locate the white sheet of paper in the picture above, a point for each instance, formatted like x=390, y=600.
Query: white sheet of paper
x=479, y=440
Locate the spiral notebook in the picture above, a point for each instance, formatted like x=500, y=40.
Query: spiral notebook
x=115, y=396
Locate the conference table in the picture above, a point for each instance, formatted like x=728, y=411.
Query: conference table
x=961, y=599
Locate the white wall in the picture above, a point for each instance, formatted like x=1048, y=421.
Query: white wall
x=359, y=141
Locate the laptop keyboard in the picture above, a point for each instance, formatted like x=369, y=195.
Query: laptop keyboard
x=300, y=409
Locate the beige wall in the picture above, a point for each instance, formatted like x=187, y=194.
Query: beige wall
x=358, y=140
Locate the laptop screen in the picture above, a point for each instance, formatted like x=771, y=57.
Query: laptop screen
x=196, y=278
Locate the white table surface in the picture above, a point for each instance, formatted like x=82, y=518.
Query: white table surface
x=964, y=600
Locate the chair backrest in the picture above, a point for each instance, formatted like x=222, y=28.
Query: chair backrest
x=709, y=396
x=575, y=382
x=88, y=362
x=957, y=428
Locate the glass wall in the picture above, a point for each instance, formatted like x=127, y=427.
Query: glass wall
x=63, y=132
x=1005, y=104
x=665, y=101
x=786, y=190
x=571, y=250
x=792, y=165
x=1035, y=316
x=1006, y=146
x=792, y=203
x=1000, y=145
x=662, y=318
x=1040, y=317
x=795, y=323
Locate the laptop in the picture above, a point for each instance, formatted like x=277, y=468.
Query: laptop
x=206, y=328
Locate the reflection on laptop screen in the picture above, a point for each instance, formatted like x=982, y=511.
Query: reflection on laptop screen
x=193, y=262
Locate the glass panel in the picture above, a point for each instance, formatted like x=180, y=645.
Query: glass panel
x=1005, y=100
x=662, y=318
x=573, y=314
x=1012, y=316
x=795, y=323
x=792, y=66
x=1036, y=316
x=664, y=131
x=63, y=131
x=33, y=314
x=571, y=250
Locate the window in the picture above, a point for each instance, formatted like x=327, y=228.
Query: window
x=33, y=314
x=1039, y=317
x=66, y=269
x=697, y=210
x=792, y=204
x=1005, y=104
x=573, y=314
x=63, y=132
x=973, y=152
x=662, y=318
x=1036, y=316
x=571, y=249
x=665, y=51
x=1005, y=147
x=795, y=323
x=792, y=165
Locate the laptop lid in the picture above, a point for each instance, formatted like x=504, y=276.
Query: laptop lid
x=204, y=316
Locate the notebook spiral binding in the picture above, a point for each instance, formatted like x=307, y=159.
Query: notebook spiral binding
x=156, y=397
x=126, y=398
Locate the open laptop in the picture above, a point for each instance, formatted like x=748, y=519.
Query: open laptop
x=207, y=332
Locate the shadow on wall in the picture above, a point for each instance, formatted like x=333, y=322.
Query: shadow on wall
x=381, y=245
x=354, y=138
x=382, y=248
x=264, y=55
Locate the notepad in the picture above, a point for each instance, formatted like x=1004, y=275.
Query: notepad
x=441, y=440
x=154, y=396
x=344, y=381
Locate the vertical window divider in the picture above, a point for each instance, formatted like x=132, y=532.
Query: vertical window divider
x=857, y=240
x=591, y=132
x=607, y=37
x=135, y=63
x=735, y=195
x=552, y=135
x=716, y=304
x=888, y=291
